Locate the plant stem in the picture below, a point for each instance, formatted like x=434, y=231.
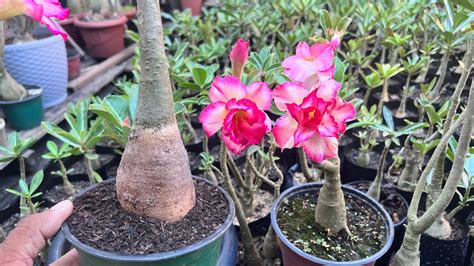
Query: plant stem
x=374, y=189
x=31, y=206
x=401, y=112
x=89, y=170
x=250, y=250
x=330, y=210
x=308, y=175
x=68, y=187
x=154, y=178
x=441, y=228
x=442, y=68
x=2, y=47
x=190, y=129
x=407, y=179
x=23, y=206
x=413, y=209
x=409, y=253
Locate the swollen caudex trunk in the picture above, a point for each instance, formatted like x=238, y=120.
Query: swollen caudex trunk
x=331, y=207
x=154, y=178
x=409, y=175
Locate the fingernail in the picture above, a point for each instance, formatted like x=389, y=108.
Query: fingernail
x=63, y=204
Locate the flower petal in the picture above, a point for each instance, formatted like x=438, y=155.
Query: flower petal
x=260, y=94
x=53, y=8
x=233, y=146
x=328, y=88
x=319, y=148
x=284, y=131
x=288, y=92
x=342, y=112
x=53, y=28
x=212, y=117
x=240, y=52
x=227, y=88
x=328, y=126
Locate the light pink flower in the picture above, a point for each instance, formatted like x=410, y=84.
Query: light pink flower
x=309, y=61
x=237, y=110
x=314, y=119
x=238, y=57
x=40, y=10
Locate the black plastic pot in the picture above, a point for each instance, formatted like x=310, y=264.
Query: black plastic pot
x=204, y=252
x=227, y=256
x=294, y=256
x=469, y=260
x=434, y=251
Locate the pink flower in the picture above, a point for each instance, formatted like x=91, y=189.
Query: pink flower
x=238, y=57
x=314, y=120
x=239, y=111
x=126, y=122
x=40, y=10
x=309, y=61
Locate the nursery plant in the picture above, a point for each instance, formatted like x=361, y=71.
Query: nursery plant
x=83, y=135
x=28, y=193
x=58, y=154
x=15, y=150
x=409, y=252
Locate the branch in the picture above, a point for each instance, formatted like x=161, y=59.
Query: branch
x=235, y=170
x=455, y=174
x=413, y=209
x=258, y=174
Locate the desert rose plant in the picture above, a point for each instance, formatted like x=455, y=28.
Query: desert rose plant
x=237, y=111
x=314, y=119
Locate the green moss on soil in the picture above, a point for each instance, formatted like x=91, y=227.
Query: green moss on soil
x=296, y=220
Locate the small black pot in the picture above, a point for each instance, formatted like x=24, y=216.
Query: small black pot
x=434, y=251
x=294, y=256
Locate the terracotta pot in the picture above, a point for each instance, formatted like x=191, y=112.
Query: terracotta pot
x=73, y=64
x=194, y=5
x=292, y=255
x=103, y=38
x=71, y=29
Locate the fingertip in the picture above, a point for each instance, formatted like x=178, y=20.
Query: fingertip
x=65, y=205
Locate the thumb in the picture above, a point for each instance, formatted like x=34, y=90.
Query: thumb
x=31, y=233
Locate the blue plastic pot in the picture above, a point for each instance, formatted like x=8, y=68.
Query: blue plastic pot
x=43, y=63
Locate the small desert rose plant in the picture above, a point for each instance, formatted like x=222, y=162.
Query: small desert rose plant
x=58, y=154
x=314, y=119
x=237, y=111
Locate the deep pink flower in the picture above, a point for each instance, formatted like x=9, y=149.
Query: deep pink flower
x=309, y=61
x=237, y=110
x=40, y=10
x=238, y=57
x=314, y=119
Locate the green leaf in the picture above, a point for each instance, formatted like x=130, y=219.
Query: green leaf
x=91, y=156
x=52, y=147
x=199, y=76
x=252, y=149
x=36, y=181
x=340, y=68
x=388, y=117
x=23, y=186
x=14, y=192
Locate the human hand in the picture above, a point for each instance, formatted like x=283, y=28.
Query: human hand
x=25, y=242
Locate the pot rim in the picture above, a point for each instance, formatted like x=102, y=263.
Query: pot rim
x=155, y=256
x=27, y=99
x=46, y=42
x=120, y=20
x=317, y=185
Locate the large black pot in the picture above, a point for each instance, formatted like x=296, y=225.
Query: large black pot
x=292, y=255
